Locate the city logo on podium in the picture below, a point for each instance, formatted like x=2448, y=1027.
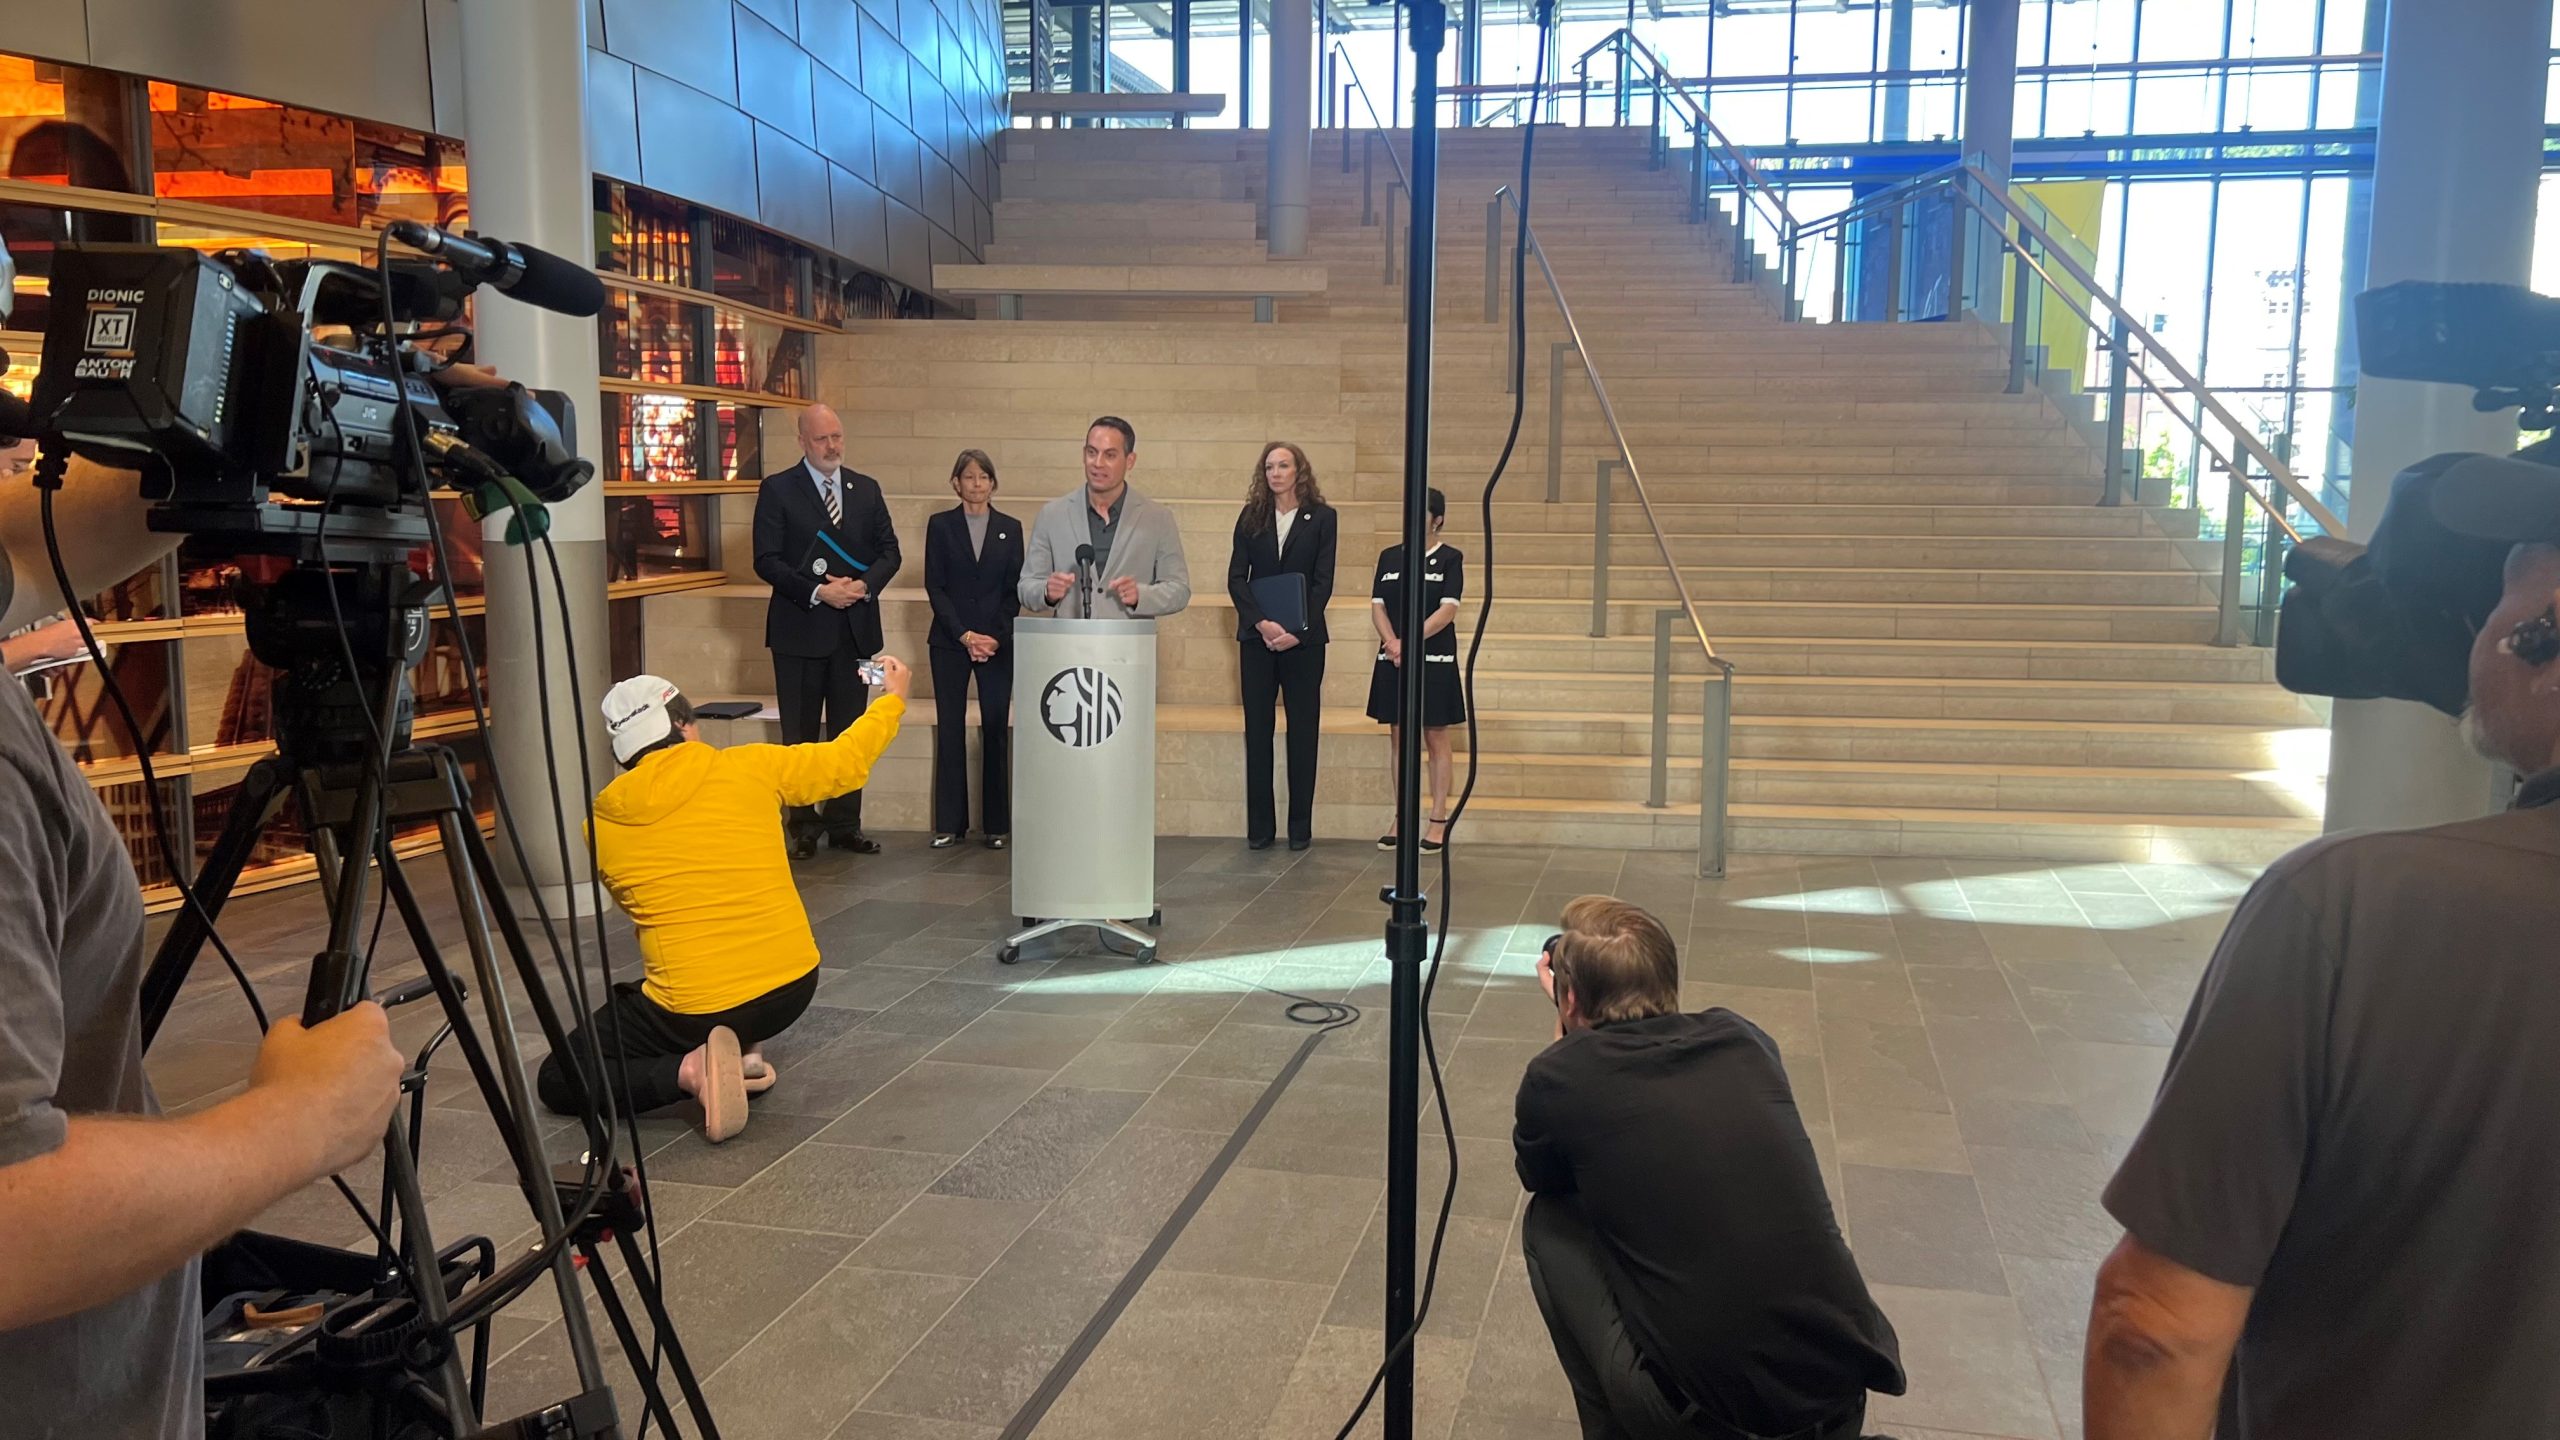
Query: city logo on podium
x=1081, y=706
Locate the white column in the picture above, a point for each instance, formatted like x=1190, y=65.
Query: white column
x=524, y=68
x=2455, y=173
x=1293, y=41
x=1990, y=85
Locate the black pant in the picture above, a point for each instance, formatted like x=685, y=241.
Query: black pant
x=1269, y=675
x=952, y=671
x=645, y=1043
x=818, y=697
x=1620, y=1393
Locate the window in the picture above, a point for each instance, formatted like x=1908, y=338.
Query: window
x=246, y=154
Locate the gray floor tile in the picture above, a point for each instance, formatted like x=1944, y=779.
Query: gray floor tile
x=833, y=1189
x=936, y=1107
x=1041, y=1148
x=938, y=1008
x=1919, y=1228
x=842, y=1075
x=869, y=1425
x=1242, y=1050
x=2044, y=1203
x=726, y=1282
x=1483, y=1080
x=1133, y=1184
x=1514, y=1376
x=692, y=1160
x=2000, y=1058
x=1898, y=1139
x=1194, y=1355
x=1335, y=1367
x=1172, y=1018
x=2021, y=1124
x=1123, y=1065
x=1277, y=1225
x=807, y=1370
x=1887, y=1066
x=1187, y=1102
x=1472, y=1255
x=1023, y=1041
x=1971, y=1366
x=2109, y=1085
x=946, y=1235
x=871, y=987
x=986, y=1356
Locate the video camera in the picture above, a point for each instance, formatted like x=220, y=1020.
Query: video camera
x=203, y=373
x=2396, y=618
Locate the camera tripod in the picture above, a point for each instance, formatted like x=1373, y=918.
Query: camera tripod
x=313, y=624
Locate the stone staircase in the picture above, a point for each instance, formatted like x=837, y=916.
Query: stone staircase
x=1945, y=646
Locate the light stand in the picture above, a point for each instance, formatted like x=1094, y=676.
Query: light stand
x=1408, y=934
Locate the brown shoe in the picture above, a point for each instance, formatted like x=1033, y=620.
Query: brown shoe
x=724, y=1086
x=760, y=1075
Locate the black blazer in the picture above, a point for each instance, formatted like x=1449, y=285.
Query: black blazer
x=971, y=592
x=1309, y=553
x=789, y=515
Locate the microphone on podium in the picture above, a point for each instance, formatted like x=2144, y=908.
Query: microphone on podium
x=1084, y=582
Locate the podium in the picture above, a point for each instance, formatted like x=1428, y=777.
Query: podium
x=1084, y=780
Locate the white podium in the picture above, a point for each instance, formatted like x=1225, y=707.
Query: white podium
x=1084, y=780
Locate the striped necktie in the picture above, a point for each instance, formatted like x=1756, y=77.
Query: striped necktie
x=834, y=486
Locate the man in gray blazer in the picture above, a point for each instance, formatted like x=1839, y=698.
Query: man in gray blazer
x=1138, y=565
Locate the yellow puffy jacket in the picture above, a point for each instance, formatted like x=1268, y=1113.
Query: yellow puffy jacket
x=690, y=843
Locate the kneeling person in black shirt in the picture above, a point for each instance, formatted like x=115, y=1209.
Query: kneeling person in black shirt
x=1678, y=1239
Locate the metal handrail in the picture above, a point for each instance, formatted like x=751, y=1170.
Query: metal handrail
x=1716, y=719
x=1384, y=130
x=1733, y=157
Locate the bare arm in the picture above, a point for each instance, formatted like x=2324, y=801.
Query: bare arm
x=124, y=1199
x=99, y=517
x=2160, y=1339
x=1440, y=619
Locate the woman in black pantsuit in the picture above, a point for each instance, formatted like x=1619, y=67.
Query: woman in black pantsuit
x=1444, y=698
x=972, y=561
x=1286, y=529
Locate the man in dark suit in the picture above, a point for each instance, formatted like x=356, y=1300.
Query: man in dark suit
x=822, y=626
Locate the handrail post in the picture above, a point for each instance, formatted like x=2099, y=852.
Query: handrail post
x=1368, y=166
x=1390, y=228
x=1657, y=795
x=1715, y=771
x=1600, y=553
x=1346, y=129
x=1582, y=91
x=1556, y=352
x=1493, y=260
x=1839, y=273
x=2235, y=536
x=1893, y=267
x=1955, y=249
x=2117, y=362
x=1697, y=177
x=2018, y=295
x=1741, y=241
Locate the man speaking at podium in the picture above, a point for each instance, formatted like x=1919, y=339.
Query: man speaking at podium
x=1105, y=552
x=824, y=543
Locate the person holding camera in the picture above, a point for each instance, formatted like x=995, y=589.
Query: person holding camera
x=689, y=839
x=1286, y=532
x=972, y=566
x=2337, y=1216
x=1678, y=1238
x=105, y=1204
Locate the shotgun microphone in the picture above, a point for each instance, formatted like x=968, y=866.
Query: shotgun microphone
x=536, y=277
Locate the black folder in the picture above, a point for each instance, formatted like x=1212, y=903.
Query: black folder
x=1283, y=598
x=827, y=559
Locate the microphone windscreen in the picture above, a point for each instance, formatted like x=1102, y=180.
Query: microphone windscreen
x=1084, y=554
x=556, y=284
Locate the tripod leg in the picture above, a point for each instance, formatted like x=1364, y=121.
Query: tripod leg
x=652, y=1394
x=512, y=1128
x=426, y=1269
x=645, y=1281
x=460, y=829
x=262, y=791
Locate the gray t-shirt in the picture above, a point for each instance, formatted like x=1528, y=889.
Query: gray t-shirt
x=71, y=1044
x=2361, y=1120
x=977, y=532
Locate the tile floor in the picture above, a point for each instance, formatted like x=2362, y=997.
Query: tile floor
x=963, y=1159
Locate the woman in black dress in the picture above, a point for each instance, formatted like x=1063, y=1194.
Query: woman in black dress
x=1286, y=530
x=972, y=562
x=1444, y=700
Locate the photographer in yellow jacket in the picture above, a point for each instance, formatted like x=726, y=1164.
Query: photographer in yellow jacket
x=689, y=840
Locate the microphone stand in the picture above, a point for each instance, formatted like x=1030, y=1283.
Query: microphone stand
x=1408, y=934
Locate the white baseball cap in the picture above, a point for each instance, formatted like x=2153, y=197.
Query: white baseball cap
x=635, y=714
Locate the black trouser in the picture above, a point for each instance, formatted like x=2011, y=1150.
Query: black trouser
x=645, y=1043
x=1620, y=1393
x=1269, y=675
x=952, y=670
x=818, y=697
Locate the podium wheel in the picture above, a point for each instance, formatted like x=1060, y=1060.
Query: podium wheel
x=1009, y=955
x=1147, y=956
